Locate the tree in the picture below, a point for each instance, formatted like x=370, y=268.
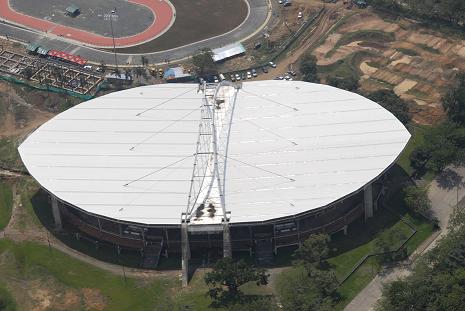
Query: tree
x=231, y=274
x=308, y=68
x=27, y=73
x=203, y=62
x=144, y=60
x=297, y=291
x=349, y=83
x=418, y=159
x=313, y=251
x=387, y=242
x=438, y=278
x=454, y=101
x=393, y=103
x=416, y=199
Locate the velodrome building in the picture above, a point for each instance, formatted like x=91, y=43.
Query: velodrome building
x=174, y=168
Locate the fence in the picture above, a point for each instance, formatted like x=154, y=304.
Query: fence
x=50, y=88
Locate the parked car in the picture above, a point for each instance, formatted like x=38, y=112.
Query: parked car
x=238, y=77
x=287, y=77
x=254, y=73
x=300, y=15
x=249, y=75
x=244, y=76
x=279, y=78
x=222, y=78
x=264, y=69
x=233, y=78
x=88, y=67
x=272, y=64
x=215, y=79
x=292, y=73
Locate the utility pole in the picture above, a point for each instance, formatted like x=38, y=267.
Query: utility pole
x=113, y=16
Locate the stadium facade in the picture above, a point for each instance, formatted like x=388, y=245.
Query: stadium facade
x=239, y=167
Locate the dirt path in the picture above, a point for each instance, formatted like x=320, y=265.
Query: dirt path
x=445, y=192
x=323, y=26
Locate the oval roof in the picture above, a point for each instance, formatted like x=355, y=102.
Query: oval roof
x=293, y=147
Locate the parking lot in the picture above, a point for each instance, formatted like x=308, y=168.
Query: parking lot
x=50, y=73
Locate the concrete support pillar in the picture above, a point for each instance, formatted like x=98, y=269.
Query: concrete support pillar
x=56, y=213
x=186, y=254
x=227, y=249
x=345, y=230
x=368, y=200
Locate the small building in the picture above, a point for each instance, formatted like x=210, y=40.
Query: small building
x=177, y=74
x=122, y=77
x=361, y=3
x=42, y=51
x=32, y=48
x=228, y=51
x=72, y=10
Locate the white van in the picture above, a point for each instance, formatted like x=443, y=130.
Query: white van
x=222, y=78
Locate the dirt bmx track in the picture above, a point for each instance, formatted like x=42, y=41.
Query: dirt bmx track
x=162, y=10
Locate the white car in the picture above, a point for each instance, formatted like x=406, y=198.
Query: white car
x=287, y=77
x=215, y=79
x=300, y=15
x=280, y=1
x=249, y=75
x=272, y=64
x=238, y=77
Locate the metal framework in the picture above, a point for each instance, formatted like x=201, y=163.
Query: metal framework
x=208, y=174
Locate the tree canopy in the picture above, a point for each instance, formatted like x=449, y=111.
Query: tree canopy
x=230, y=275
x=448, y=11
x=390, y=101
x=438, y=279
x=416, y=199
x=203, y=62
x=312, y=284
x=454, y=101
x=444, y=144
x=308, y=68
x=349, y=83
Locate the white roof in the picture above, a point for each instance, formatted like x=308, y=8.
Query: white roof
x=227, y=51
x=294, y=146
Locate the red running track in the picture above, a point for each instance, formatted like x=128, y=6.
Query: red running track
x=163, y=17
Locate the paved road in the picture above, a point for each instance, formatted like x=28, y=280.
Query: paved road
x=445, y=191
x=259, y=15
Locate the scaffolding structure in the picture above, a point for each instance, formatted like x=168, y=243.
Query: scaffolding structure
x=206, y=207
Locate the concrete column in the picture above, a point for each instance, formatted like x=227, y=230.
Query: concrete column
x=368, y=200
x=185, y=249
x=227, y=249
x=345, y=230
x=56, y=213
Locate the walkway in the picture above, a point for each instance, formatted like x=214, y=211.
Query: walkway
x=162, y=10
x=445, y=192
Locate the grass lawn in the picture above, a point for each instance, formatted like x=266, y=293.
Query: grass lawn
x=9, y=156
x=29, y=261
x=6, y=203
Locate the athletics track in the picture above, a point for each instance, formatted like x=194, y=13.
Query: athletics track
x=163, y=12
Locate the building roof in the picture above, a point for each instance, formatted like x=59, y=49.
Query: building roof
x=121, y=76
x=293, y=147
x=32, y=47
x=228, y=51
x=72, y=9
x=68, y=57
x=42, y=51
x=175, y=73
